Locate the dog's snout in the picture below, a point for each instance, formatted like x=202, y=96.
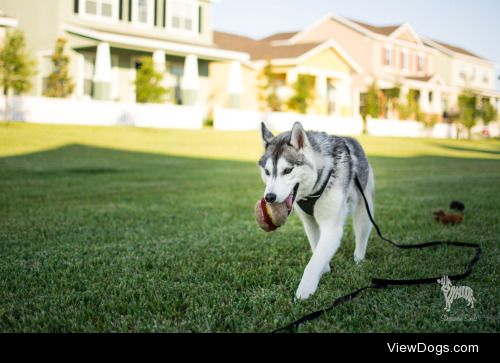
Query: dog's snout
x=270, y=197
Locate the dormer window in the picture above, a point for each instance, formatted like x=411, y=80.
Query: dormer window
x=103, y=10
x=143, y=12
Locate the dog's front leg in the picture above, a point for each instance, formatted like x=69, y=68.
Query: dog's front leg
x=328, y=244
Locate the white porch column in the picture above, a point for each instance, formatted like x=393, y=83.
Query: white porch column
x=102, y=72
x=424, y=100
x=437, y=104
x=321, y=86
x=80, y=77
x=190, y=81
x=159, y=61
x=235, y=85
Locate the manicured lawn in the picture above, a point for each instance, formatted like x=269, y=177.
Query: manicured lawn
x=124, y=229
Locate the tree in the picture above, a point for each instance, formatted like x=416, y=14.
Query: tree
x=370, y=105
x=148, y=83
x=17, y=67
x=488, y=112
x=304, y=94
x=61, y=84
x=268, y=88
x=411, y=109
x=467, y=109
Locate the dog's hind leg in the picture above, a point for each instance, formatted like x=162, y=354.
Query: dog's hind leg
x=361, y=222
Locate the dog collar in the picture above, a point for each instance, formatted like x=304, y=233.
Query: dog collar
x=307, y=203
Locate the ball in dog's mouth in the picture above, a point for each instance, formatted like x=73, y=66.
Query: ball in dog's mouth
x=271, y=216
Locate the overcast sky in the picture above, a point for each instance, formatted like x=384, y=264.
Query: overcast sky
x=471, y=24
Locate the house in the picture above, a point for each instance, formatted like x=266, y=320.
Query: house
x=329, y=67
x=396, y=57
x=107, y=38
x=462, y=69
x=6, y=22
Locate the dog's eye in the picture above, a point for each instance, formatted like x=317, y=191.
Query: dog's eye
x=287, y=171
x=267, y=172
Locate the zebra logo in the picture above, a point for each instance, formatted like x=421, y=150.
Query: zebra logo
x=451, y=293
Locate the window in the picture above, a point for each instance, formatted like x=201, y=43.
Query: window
x=387, y=56
x=486, y=76
x=463, y=72
x=421, y=63
x=404, y=60
x=473, y=74
x=99, y=9
x=182, y=15
x=143, y=12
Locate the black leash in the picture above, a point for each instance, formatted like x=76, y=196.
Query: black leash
x=378, y=283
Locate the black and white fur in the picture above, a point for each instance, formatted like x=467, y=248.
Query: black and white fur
x=306, y=159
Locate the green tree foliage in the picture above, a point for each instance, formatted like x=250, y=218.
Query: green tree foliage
x=411, y=109
x=61, y=84
x=17, y=67
x=303, y=94
x=268, y=84
x=371, y=105
x=468, y=111
x=148, y=83
x=488, y=112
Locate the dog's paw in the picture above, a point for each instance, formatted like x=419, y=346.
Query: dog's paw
x=305, y=290
x=358, y=258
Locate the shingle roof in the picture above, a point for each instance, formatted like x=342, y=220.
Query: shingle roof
x=260, y=49
x=280, y=36
x=384, y=30
x=458, y=49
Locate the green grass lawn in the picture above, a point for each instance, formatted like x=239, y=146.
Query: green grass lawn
x=126, y=229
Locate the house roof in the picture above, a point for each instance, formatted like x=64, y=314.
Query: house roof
x=422, y=79
x=260, y=49
x=280, y=36
x=383, y=30
x=456, y=49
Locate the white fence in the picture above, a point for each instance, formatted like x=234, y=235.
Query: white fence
x=243, y=120
x=91, y=112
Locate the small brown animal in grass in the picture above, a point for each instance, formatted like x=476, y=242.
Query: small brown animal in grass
x=446, y=219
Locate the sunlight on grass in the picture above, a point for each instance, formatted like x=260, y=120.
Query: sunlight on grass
x=20, y=139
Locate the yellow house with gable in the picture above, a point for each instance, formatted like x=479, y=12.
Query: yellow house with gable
x=331, y=69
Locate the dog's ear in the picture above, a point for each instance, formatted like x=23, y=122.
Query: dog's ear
x=298, y=137
x=266, y=134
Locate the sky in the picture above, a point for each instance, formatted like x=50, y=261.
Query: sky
x=470, y=24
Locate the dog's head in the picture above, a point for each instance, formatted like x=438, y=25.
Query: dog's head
x=287, y=166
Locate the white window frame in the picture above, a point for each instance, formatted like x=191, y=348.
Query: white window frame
x=195, y=17
x=405, y=67
x=388, y=50
x=421, y=62
x=82, y=11
x=486, y=76
x=151, y=14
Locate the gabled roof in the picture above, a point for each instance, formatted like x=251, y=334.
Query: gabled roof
x=260, y=49
x=279, y=36
x=264, y=49
x=382, y=30
x=456, y=49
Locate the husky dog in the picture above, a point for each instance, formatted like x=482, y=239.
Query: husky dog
x=314, y=172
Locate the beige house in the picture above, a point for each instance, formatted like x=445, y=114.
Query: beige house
x=329, y=66
x=107, y=38
x=6, y=22
x=396, y=56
